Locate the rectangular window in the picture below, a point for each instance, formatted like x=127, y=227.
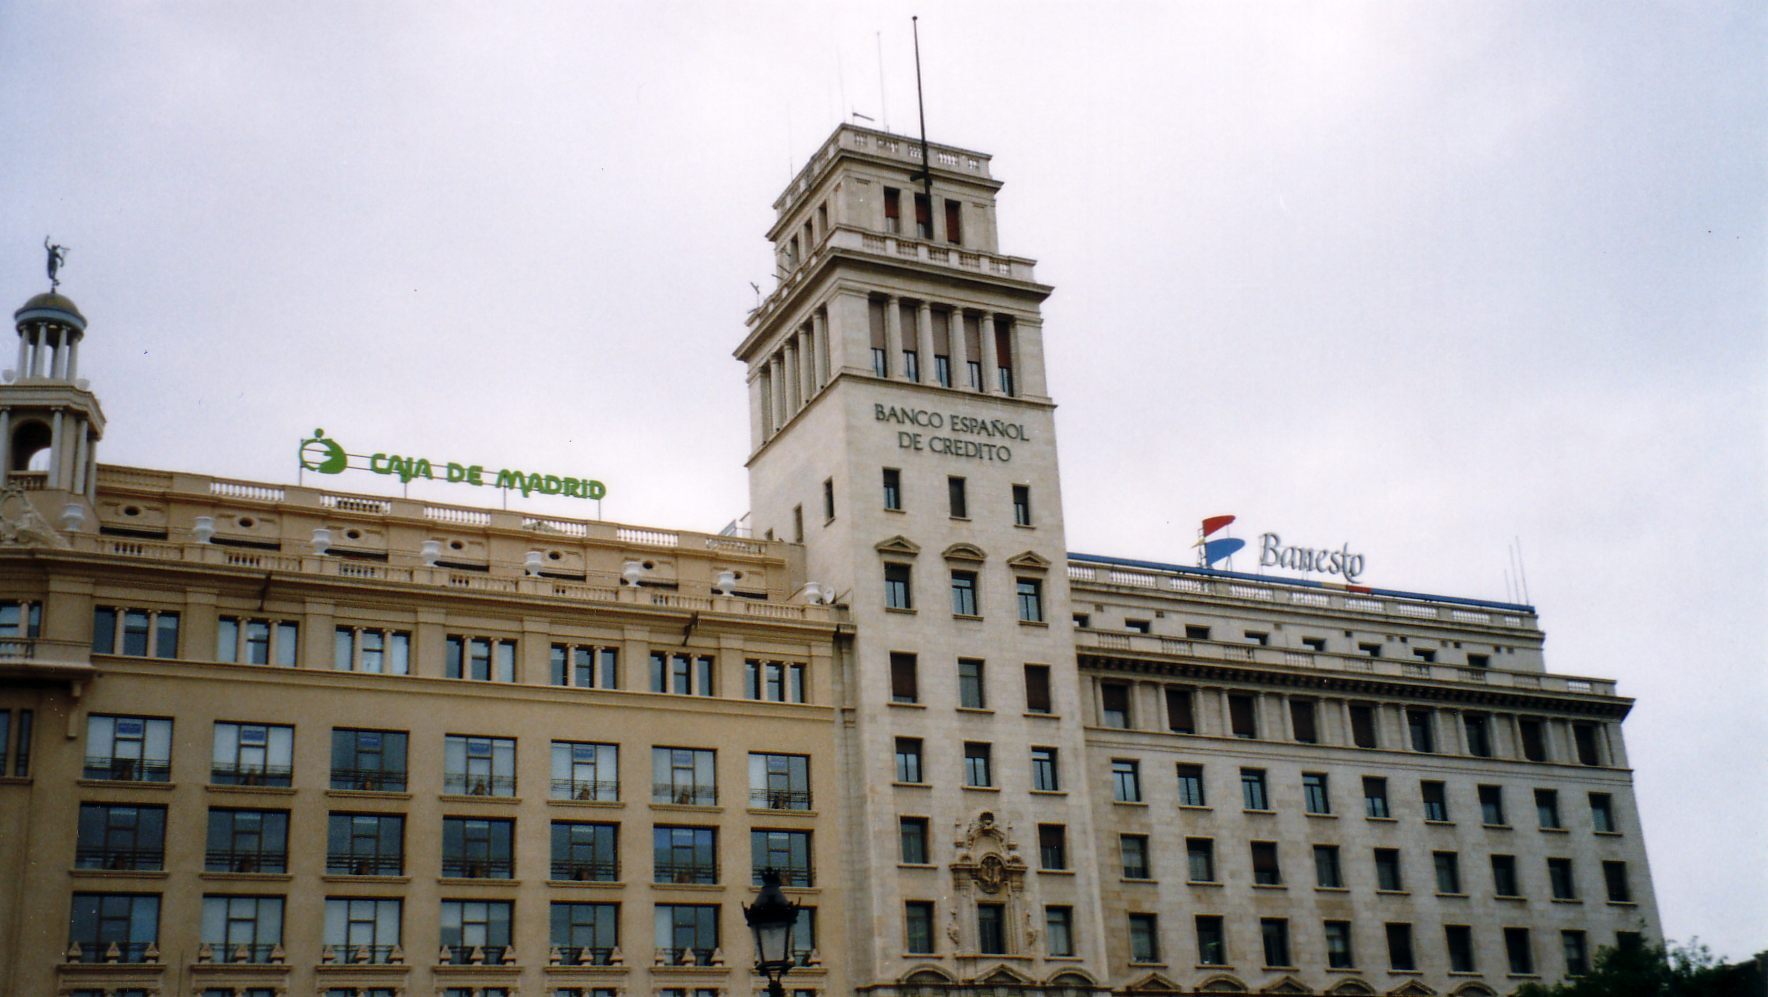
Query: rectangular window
x=1212, y=944
x=892, y=210
x=365, y=844
x=1614, y=876
x=1302, y=719
x=1519, y=951
x=1448, y=872
x=911, y=365
x=585, y=666
x=484, y=925
x=1138, y=626
x=1436, y=800
x=1372, y=650
x=1459, y=939
x=1180, y=717
x=912, y=834
x=128, y=749
x=904, y=688
x=121, y=837
x=1534, y=739
x=773, y=681
x=1144, y=938
x=1327, y=873
x=1052, y=846
x=483, y=659
x=1059, y=931
x=1418, y=730
x=585, y=852
x=829, y=490
x=908, y=759
x=1031, y=600
x=1275, y=932
x=1004, y=357
x=1114, y=704
x=1491, y=805
x=1126, y=780
x=1134, y=850
x=1044, y=775
x=1479, y=735
x=140, y=633
x=1191, y=786
x=1314, y=793
x=97, y=921
x=1037, y=689
x=1375, y=797
x=918, y=927
x=585, y=934
x=893, y=489
x=362, y=929
x=681, y=674
x=955, y=492
x=475, y=848
x=779, y=782
x=1242, y=716
x=21, y=619
x=253, y=755
x=798, y=524
x=257, y=642
x=684, y=855
x=478, y=766
x=684, y=776
x=1315, y=644
x=787, y=852
x=964, y=593
x=247, y=841
x=1577, y=950
x=1339, y=954
x=1504, y=876
x=1560, y=880
x=252, y=925
x=1252, y=790
x=22, y=757
x=991, y=935
x=923, y=217
x=1200, y=860
x=1265, y=870
x=1363, y=726
x=1399, y=948
x=1021, y=505
x=954, y=214
x=584, y=770
x=898, y=590
x=977, y=765
x=1602, y=813
x=1387, y=870
x=1547, y=809
x=1584, y=739
x=370, y=650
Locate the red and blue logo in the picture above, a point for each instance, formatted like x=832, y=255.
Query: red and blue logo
x=1219, y=548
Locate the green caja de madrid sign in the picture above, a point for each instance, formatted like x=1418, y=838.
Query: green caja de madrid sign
x=324, y=455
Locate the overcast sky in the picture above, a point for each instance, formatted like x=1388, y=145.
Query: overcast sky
x=1416, y=277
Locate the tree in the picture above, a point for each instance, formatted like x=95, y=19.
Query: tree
x=1636, y=970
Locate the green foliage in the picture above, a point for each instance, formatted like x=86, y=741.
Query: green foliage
x=1648, y=971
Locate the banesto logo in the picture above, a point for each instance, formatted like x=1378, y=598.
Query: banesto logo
x=1272, y=554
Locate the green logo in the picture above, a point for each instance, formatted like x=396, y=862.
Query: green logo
x=323, y=455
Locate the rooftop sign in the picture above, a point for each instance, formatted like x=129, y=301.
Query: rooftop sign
x=1274, y=554
x=324, y=455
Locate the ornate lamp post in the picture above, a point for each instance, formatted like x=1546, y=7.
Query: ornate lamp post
x=771, y=918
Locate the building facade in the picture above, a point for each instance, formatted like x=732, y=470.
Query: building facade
x=261, y=740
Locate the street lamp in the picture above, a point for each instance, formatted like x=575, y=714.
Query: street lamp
x=771, y=918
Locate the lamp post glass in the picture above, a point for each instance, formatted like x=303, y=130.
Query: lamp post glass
x=771, y=919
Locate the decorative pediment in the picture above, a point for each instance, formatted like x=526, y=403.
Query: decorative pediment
x=1154, y=983
x=964, y=552
x=1028, y=561
x=1352, y=988
x=1287, y=985
x=1412, y=989
x=899, y=545
x=1072, y=978
x=1474, y=990
x=1004, y=976
x=929, y=974
x=1222, y=985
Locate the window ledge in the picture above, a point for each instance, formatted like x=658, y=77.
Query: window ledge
x=1568, y=900
x=1197, y=807
x=1134, y=962
x=982, y=789
x=1511, y=898
x=1057, y=872
x=1281, y=969
x=138, y=784
x=1453, y=896
x=688, y=808
x=1466, y=973
x=1270, y=886
x=1496, y=827
x=465, y=798
x=1213, y=883
x=252, y=790
x=1405, y=972
x=764, y=812
x=1325, y=816
x=975, y=709
x=1043, y=716
x=607, y=804
x=1025, y=526
x=1382, y=820
x=908, y=706
x=1556, y=830
x=246, y=877
x=367, y=794
x=1522, y=976
x=1139, y=879
x=973, y=617
x=1439, y=823
x=1393, y=893
x=333, y=877
x=689, y=887
x=1332, y=889
x=1622, y=903
x=458, y=881
x=904, y=610
x=1129, y=803
x=15, y=780
x=1342, y=969
x=1607, y=834
x=1216, y=967
x=118, y=873
x=896, y=509
x=1049, y=792
x=916, y=865
x=913, y=785
x=1042, y=624
x=1261, y=813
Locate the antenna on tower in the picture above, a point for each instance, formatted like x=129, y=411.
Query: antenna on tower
x=883, y=105
x=1522, y=576
x=926, y=174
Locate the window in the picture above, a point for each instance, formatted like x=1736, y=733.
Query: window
x=130, y=921
x=893, y=489
x=1602, y=813
x=1059, y=931
x=21, y=766
x=1547, y=809
x=1327, y=874
x=1191, y=786
x=365, y=844
x=908, y=759
x=1519, y=951
x=953, y=229
x=1424, y=654
x=1418, y=731
x=257, y=642
x=1559, y=879
x=585, y=934
x=478, y=766
x=1314, y=794
x=1491, y=805
x=1052, y=846
x=684, y=854
x=1021, y=505
x=1577, y=950
x=1144, y=938
x=1614, y=876
x=1372, y=650
x=1302, y=720
x=1242, y=716
x=684, y=776
x=1534, y=739
x=1200, y=860
x=788, y=852
x=247, y=841
x=1126, y=781
x=1479, y=735
x=1387, y=870
x=585, y=852
x=1252, y=790
x=991, y=936
x=360, y=929
x=21, y=619
x=485, y=659
x=584, y=770
x=372, y=760
x=684, y=928
x=798, y=524
x=955, y=493
x=1275, y=932
x=779, y=782
x=252, y=925
x=1265, y=870
x=1436, y=800
x=912, y=835
x=1363, y=726
x=1375, y=797
x=978, y=772
x=1584, y=739
x=1315, y=644
x=1037, y=689
x=365, y=649
x=1196, y=632
x=1339, y=954
x=903, y=686
x=476, y=848
x=897, y=589
x=1180, y=718
x=773, y=681
x=587, y=667
x=1459, y=938
x=892, y=210
x=476, y=924
x=127, y=749
x=918, y=927
x=1212, y=945
x=141, y=633
x=1138, y=626
x=681, y=674
x=1478, y=660
x=1114, y=704
x=1045, y=777
x=829, y=483
x=1031, y=600
x=964, y=593
x=1448, y=872
x=911, y=365
x=253, y=755
x=1257, y=637
x=1134, y=849
x=1399, y=948
x=120, y=836
x=1504, y=876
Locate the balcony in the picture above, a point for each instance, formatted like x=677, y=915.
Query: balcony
x=348, y=864
x=477, y=955
x=791, y=875
x=120, y=859
x=250, y=861
x=369, y=780
x=585, y=789
x=590, y=871
x=686, y=873
x=477, y=868
x=362, y=955
x=670, y=956
x=132, y=953
x=684, y=795
x=779, y=799
x=260, y=954
x=583, y=955
x=278, y=776
x=128, y=769
x=458, y=784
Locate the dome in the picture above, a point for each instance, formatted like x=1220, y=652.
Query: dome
x=53, y=307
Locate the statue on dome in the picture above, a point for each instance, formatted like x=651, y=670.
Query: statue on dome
x=58, y=257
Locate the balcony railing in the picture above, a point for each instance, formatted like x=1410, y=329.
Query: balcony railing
x=780, y=799
x=120, y=858
x=246, y=861
x=704, y=873
x=259, y=953
x=579, y=955
x=603, y=871
x=347, y=864
x=679, y=956
x=696, y=796
x=463, y=868
x=378, y=955
x=100, y=951
x=128, y=769
x=790, y=875
x=460, y=784
x=585, y=789
x=495, y=955
x=251, y=775
x=374, y=780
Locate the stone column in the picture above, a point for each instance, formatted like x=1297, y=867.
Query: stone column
x=56, y=461
x=5, y=444
x=789, y=350
x=960, y=348
x=776, y=367
x=80, y=458
x=892, y=335
x=73, y=366
x=24, y=356
x=58, y=361
x=924, y=341
x=807, y=360
x=819, y=328
x=986, y=328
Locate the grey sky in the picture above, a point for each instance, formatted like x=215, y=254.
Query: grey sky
x=1417, y=277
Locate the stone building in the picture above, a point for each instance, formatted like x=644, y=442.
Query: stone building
x=263, y=739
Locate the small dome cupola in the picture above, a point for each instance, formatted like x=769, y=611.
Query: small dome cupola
x=50, y=328
x=50, y=422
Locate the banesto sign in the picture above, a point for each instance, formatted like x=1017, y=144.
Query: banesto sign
x=971, y=444
x=1272, y=554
